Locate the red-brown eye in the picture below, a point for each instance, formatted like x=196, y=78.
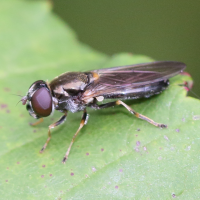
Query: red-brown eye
x=42, y=102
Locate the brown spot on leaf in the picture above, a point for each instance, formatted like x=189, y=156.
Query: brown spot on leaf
x=138, y=143
x=6, y=89
x=173, y=195
x=3, y=106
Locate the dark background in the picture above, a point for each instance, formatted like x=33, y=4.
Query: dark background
x=163, y=30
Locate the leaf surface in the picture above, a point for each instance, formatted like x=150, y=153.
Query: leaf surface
x=115, y=156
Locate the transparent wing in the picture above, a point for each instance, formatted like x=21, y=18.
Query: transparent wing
x=116, y=81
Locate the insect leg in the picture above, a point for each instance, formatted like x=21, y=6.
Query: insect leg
x=37, y=122
x=138, y=115
x=60, y=121
x=83, y=122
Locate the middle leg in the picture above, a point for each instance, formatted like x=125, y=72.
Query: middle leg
x=83, y=122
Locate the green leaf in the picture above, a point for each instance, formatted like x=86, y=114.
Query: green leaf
x=115, y=156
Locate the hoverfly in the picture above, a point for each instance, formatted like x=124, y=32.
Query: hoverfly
x=74, y=91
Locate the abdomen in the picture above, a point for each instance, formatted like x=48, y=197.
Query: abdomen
x=141, y=91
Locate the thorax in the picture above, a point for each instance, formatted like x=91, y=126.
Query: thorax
x=67, y=90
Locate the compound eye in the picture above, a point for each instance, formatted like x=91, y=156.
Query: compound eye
x=42, y=102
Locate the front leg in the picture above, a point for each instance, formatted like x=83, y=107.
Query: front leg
x=37, y=122
x=60, y=121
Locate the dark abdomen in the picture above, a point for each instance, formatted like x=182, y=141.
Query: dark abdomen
x=141, y=91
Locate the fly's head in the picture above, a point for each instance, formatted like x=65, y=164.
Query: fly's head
x=39, y=101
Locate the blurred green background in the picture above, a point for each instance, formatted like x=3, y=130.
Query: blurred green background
x=163, y=30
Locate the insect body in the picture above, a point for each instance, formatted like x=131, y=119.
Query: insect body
x=74, y=91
